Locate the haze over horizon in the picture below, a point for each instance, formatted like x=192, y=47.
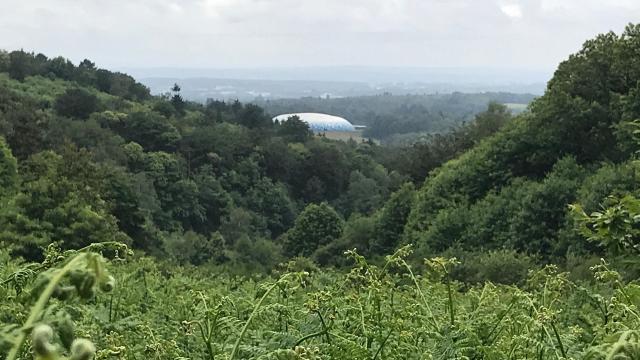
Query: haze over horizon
x=225, y=34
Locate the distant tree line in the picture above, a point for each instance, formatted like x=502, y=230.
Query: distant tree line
x=20, y=64
x=395, y=118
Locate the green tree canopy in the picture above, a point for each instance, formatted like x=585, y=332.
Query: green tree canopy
x=294, y=130
x=76, y=103
x=317, y=225
x=392, y=219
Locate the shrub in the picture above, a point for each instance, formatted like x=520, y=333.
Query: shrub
x=316, y=226
x=194, y=248
x=76, y=103
x=497, y=266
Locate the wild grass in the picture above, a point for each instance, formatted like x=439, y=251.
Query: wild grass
x=370, y=312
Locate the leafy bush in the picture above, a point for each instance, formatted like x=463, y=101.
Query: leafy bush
x=76, y=103
x=316, y=226
x=196, y=249
x=497, y=266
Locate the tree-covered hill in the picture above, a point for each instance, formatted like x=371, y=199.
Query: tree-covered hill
x=100, y=159
x=512, y=190
x=91, y=157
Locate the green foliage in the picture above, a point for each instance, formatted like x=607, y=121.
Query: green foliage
x=241, y=223
x=496, y=266
x=151, y=130
x=62, y=276
x=158, y=310
x=610, y=179
x=253, y=255
x=4, y=61
x=217, y=145
x=23, y=65
x=76, y=103
x=294, y=130
x=525, y=215
x=213, y=200
x=20, y=64
x=22, y=126
x=272, y=202
x=58, y=201
x=251, y=116
x=430, y=151
x=392, y=219
x=363, y=195
x=8, y=170
x=493, y=194
x=192, y=248
x=325, y=170
x=176, y=100
x=486, y=123
x=616, y=227
x=316, y=226
x=359, y=231
x=219, y=186
x=397, y=119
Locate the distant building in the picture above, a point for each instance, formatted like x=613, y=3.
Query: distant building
x=319, y=123
x=330, y=126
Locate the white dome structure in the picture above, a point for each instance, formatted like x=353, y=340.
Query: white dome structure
x=320, y=122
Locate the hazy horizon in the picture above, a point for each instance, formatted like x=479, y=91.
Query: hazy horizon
x=349, y=73
x=248, y=84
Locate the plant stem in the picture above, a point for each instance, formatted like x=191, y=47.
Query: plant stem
x=307, y=337
x=500, y=318
x=382, y=345
x=424, y=300
x=324, y=327
x=555, y=331
x=452, y=314
x=255, y=310
x=206, y=337
x=40, y=304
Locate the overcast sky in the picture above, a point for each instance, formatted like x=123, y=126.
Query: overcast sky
x=532, y=34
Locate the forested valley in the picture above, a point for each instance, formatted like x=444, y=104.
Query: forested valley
x=400, y=120
x=135, y=226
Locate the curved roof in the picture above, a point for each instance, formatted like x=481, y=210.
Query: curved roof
x=320, y=122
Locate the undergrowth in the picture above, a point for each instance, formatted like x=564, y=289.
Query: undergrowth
x=78, y=305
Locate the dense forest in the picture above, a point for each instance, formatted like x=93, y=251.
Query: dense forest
x=229, y=236
x=399, y=118
x=98, y=158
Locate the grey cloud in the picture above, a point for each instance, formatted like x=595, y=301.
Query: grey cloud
x=254, y=33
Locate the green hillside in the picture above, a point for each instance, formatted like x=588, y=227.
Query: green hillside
x=574, y=144
x=149, y=227
x=217, y=182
